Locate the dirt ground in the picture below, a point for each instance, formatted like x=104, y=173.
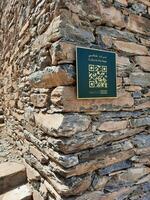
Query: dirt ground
x=8, y=149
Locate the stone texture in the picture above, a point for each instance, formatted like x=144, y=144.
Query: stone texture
x=145, y=121
x=112, y=16
x=91, y=196
x=62, y=52
x=37, y=196
x=32, y=174
x=123, y=61
x=39, y=100
x=85, y=140
x=113, y=126
x=131, y=48
x=142, y=141
x=139, y=78
x=122, y=2
x=115, y=167
x=138, y=24
x=66, y=97
x=53, y=76
x=143, y=106
x=144, y=62
x=66, y=125
x=11, y=175
x=21, y=193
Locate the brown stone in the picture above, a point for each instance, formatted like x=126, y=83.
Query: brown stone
x=130, y=47
x=20, y=193
x=144, y=62
x=52, y=190
x=86, y=140
x=24, y=28
x=117, y=195
x=66, y=98
x=62, y=52
x=11, y=175
x=32, y=174
x=113, y=125
x=134, y=174
x=24, y=40
x=91, y=196
x=39, y=155
x=133, y=88
x=138, y=24
x=62, y=125
x=39, y=100
x=100, y=184
x=143, y=151
x=37, y=196
x=123, y=61
x=53, y=76
x=145, y=42
x=63, y=187
x=146, y=2
x=143, y=106
x=112, y=16
x=100, y=196
x=64, y=160
x=100, y=162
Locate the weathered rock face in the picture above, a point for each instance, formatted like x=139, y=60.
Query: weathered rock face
x=77, y=149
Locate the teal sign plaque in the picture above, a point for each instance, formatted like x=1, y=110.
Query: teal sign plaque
x=96, y=73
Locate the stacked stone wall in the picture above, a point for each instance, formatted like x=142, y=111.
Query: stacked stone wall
x=77, y=149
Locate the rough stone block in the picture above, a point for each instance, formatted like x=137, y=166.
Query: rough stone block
x=20, y=193
x=131, y=48
x=37, y=196
x=39, y=100
x=11, y=175
x=32, y=174
x=53, y=76
x=113, y=125
x=139, y=78
x=144, y=121
x=62, y=125
x=86, y=140
x=112, y=16
x=138, y=24
x=144, y=62
x=62, y=52
x=65, y=97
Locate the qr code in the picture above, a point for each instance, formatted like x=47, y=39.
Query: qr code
x=97, y=76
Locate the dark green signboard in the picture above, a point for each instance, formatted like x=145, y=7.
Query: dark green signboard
x=96, y=73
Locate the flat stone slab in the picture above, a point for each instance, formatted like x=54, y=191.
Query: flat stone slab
x=20, y=193
x=11, y=175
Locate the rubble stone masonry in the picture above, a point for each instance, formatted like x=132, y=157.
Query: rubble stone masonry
x=77, y=149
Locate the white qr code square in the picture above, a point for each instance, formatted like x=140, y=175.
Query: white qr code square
x=97, y=76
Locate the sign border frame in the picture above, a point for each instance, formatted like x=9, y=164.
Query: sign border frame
x=77, y=88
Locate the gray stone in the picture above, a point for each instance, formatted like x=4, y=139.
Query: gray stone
x=139, y=8
x=62, y=125
x=137, y=94
x=141, y=141
x=114, y=33
x=139, y=78
x=145, y=121
x=115, y=167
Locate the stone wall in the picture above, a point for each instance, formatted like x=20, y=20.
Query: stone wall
x=77, y=149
